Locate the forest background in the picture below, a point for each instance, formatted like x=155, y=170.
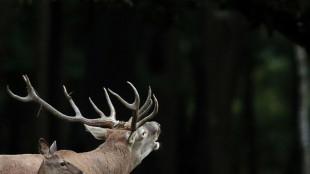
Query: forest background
x=225, y=73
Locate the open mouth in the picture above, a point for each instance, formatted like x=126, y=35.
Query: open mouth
x=156, y=146
x=154, y=128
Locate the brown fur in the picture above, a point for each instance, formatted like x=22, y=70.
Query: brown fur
x=115, y=156
x=18, y=164
x=112, y=157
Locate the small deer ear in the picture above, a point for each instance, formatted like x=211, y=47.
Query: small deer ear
x=53, y=148
x=43, y=148
x=98, y=132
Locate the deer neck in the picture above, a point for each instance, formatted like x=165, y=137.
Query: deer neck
x=126, y=156
x=113, y=156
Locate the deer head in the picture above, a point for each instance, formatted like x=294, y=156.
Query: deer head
x=52, y=163
x=137, y=134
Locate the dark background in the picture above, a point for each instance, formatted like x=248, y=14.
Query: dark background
x=224, y=73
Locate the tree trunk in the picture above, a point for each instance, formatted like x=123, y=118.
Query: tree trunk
x=303, y=118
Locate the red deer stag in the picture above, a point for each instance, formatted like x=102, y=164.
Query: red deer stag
x=126, y=143
x=52, y=163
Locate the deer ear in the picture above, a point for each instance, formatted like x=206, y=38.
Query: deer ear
x=53, y=148
x=43, y=148
x=98, y=132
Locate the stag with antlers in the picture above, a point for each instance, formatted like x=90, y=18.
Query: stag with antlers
x=126, y=143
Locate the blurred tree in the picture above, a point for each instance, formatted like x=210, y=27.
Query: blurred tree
x=303, y=110
x=291, y=18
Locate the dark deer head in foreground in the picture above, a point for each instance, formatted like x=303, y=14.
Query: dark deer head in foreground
x=135, y=138
x=52, y=163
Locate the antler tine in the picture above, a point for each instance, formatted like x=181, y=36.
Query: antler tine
x=149, y=117
x=141, y=114
x=75, y=108
x=96, y=108
x=146, y=105
x=132, y=106
x=135, y=108
x=30, y=90
x=112, y=109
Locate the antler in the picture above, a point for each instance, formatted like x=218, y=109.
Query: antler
x=104, y=121
x=136, y=120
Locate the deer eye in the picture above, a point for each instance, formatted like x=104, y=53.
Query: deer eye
x=63, y=163
x=144, y=133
